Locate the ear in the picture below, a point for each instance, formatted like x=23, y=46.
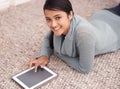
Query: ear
x=71, y=15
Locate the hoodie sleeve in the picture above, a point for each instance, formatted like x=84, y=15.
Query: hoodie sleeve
x=85, y=42
x=45, y=48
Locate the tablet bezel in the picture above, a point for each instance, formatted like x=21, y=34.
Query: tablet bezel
x=38, y=84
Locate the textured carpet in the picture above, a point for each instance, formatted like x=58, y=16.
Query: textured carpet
x=22, y=30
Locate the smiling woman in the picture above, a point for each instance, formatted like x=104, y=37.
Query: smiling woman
x=75, y=40
x=58, y=21
x=58, y=16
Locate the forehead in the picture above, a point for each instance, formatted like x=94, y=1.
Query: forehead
x=51, y=13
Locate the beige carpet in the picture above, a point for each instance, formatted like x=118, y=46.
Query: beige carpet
x=22, y=29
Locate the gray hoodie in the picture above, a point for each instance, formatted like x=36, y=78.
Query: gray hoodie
x=85, y=39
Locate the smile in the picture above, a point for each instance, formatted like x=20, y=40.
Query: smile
x=57, y=29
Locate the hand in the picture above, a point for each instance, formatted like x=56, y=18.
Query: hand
x=42, y=61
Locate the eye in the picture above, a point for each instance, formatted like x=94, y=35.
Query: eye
x=48, y=20
x=58, y=18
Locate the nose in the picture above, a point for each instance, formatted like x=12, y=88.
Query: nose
x=54, y=24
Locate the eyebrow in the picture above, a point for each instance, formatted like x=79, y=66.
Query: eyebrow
x=54, y=16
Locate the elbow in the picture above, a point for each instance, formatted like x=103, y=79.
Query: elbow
x=84, y=70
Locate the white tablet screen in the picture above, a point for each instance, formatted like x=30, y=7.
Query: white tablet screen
x=30, y=79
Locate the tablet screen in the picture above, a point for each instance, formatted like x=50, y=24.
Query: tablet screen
x=30, y=79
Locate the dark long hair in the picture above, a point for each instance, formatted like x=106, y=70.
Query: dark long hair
x=63, y=5
x=51, y=40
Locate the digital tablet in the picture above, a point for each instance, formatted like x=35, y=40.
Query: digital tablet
x=29, y=79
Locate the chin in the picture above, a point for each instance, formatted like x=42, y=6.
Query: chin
x=58, y=34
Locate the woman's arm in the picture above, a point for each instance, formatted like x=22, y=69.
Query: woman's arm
x=45, y=48
x=86, y=48
x=44, y=55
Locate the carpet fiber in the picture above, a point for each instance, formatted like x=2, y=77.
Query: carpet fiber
x=22, y=29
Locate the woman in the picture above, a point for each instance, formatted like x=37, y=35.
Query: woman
x=75, y=40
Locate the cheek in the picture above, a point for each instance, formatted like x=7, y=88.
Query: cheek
x=63, y=23
x=66, y=24
x=48, y=24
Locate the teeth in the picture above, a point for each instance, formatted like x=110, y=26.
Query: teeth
x=56, y=29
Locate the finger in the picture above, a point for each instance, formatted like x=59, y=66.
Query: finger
x=31, y=63
x=43, y=64
x=36, y=67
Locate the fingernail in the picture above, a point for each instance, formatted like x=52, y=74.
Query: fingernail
x=42, y=66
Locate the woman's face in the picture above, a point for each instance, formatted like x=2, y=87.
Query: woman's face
x=58, y=21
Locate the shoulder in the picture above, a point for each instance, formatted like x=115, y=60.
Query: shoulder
x=80, y=28
x=81, y=24
x=84, y=32
x=85, y=28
